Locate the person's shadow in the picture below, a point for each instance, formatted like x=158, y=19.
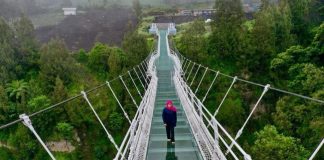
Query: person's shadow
x=171, y=152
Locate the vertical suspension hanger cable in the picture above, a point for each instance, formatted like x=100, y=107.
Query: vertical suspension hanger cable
x=138, y=77
x=187, y=67
x=120, y=105
x=317, y=150
x=139, y=93
x=210, y=86
x=202, y=78
x=193, y=66
x=130, y=94
x=142, y=75
x=225, y=96
x=98, y=118
x=28, y=123
x=238, y=134
x=193, y=79
x=145, y=71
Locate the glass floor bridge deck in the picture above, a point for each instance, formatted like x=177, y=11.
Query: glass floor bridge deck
x=185, y=147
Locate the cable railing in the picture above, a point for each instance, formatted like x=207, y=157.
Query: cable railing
x=198, y=114
x=147, y=76
x=187, y=69
x=134, y=145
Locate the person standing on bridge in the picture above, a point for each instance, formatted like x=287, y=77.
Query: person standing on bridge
x=169, y=116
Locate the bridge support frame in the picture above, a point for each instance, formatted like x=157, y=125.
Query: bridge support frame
x=28, y=123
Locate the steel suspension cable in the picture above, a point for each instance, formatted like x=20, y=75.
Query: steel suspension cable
x=262, y=85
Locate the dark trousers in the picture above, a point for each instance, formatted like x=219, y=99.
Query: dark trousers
x=170, y=132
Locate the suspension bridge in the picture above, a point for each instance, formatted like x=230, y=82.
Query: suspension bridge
x=165, y=74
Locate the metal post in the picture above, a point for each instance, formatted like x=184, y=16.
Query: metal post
x=120, y=105
x=200, y=109
x=98, y=118
x=27, y=122
x=216, y=134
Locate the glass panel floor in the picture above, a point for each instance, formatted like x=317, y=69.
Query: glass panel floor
x=185, y=147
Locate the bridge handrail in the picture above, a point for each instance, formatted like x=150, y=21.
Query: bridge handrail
x=25, y=118
x=184, y=60
x=135, y=132
x=197, y=103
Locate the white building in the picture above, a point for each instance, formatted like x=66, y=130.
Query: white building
x=69, y=11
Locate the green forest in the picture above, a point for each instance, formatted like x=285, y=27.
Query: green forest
x=35, y=76
x=283, y=45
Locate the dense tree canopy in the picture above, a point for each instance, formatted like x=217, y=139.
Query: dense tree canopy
x=271, y=145
x=33, y=78
x=283, y=46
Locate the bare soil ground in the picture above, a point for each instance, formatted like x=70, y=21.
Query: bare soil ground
x=82, y=31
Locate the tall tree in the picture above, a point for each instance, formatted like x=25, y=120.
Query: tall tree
x=60, y=92
x=137, y=8
x=6, y=32
x=8, y=63
x=136, y=47
x=272, y=145
x=301, y=25
x=26, y=43
x=302, y=69
x=193, y=41
x=98, y=59
x=4, y=104
x=7, y=60
x=55, y=60
x=116, y=62
x=18, y=90
x=283, y=26
x=263, y=31
x=227, y=30
x=272, y=28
